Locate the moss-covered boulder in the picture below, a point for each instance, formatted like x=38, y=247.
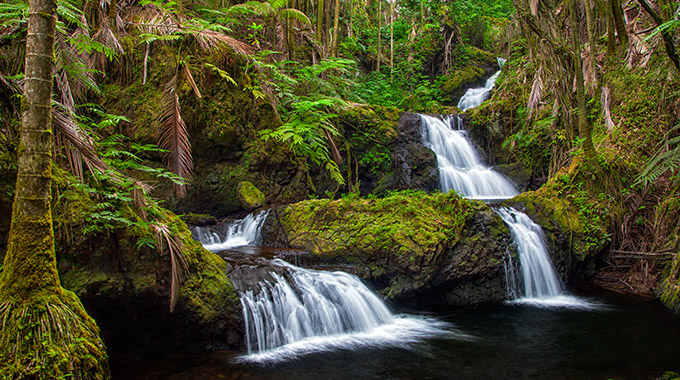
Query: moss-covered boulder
x=127, y=288
x=412, y=247
x=250, y=196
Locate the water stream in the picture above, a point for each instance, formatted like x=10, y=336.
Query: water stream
x=289, y=311
x=473, y=97
x=460, y=167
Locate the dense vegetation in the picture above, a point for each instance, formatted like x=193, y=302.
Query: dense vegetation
x=206, y=106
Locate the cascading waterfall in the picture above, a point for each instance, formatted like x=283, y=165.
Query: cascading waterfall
x=298, y=311
x=460, y=168
x=476, y=96
x=539, y=280
x=242, y=232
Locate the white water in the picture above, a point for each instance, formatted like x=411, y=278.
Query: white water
x=542, y=287
x=460, y=168
x=242, y=232
x=305, y=311
x=473, y=97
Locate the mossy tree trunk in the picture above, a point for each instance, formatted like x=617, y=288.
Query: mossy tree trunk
x=585, y=129
x=44, y=330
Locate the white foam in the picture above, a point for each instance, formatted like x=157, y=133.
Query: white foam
x=402, y=332
x=561, y=301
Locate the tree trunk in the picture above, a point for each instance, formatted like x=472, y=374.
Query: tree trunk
x=611, y=28
x=336, y=27
x=46, y=333
x=392, y=39
x=620, y=24
x=584, y=127
x=379, y=30
x=319, y=21
x=590, y=20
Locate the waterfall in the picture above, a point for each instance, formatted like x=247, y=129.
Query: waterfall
x=473, y=97
x=296, y=311
x=242, y=232
x=460, y=168
x=542, y=286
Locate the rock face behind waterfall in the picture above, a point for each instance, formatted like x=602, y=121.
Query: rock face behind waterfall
x=414, y=248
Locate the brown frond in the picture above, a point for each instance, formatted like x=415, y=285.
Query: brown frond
x=178, y=264
x=210, y=39
x=191, y=80
x=172, y=136
x=106, y=37
x=77, y=145
x=536, y=92
x=139, y=192
x=533, y=6
x=606, y=108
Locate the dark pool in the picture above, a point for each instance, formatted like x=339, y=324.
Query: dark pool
x=626, y=339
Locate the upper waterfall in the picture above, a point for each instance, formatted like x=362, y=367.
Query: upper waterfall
x=473, y=97
x=460, y=168
x=242, y=232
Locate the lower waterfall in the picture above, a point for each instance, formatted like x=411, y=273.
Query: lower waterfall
x=538, y=283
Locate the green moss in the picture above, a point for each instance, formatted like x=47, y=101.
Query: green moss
x=411, y=226
x=50, y=337
x=454, y=82
x=250, y=196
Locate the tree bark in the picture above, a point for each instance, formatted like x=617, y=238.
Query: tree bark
x=585, y=129
x=379, y=31
x=30, y=247
x=392, y=39
x=336, y=25
x=590, y=20
x=620, y=24
x=319, y=21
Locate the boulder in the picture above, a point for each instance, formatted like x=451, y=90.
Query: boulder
x=413, y=248
x=250, y=196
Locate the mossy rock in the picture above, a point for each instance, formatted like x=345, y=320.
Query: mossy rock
x=413, y=247
x=457, y=82
x=122, y=281
x=250, y=196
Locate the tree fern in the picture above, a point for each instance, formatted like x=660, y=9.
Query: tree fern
x=667, y=158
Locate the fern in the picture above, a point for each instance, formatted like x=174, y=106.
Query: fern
x=667, y=158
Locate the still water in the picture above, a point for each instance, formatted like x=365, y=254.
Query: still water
x=624, y=338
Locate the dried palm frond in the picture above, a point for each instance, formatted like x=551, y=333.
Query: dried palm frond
x=178, y=264
x=191, y=80
x=536, y=92
x=139, y=193
x=533, y=6
x=210, y=39
x=606, y=108
x=172, y=136
x=77, y=144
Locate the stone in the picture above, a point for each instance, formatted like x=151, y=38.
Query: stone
x=250, y=196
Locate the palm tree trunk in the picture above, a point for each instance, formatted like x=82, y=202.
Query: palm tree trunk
x=31, y=296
